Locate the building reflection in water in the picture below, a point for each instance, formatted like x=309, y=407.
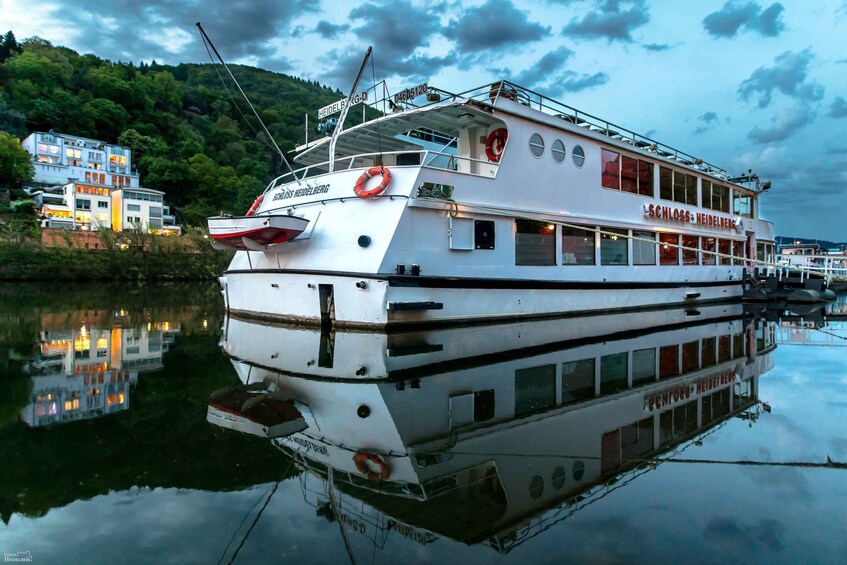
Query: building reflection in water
x=493, y=434
x=88, y=372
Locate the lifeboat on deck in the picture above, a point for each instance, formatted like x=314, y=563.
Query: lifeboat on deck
x=254, y=233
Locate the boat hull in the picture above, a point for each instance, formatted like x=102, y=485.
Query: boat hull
x=378, y=302
x=255, y=232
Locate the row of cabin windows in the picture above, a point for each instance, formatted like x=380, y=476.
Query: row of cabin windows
x=628, y=174
x=535, y=244
x=621, y=446
x=535, y=387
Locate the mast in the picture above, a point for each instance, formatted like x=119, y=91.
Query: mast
x=344, y=111
x=255, y=113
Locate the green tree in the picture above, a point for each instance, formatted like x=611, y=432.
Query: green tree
x=11, y=120
x=15, y=162
x=142, y=145
x=8, y=46
x=109, y=118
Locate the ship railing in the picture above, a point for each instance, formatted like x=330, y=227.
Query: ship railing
x=829, y=267
x=428, y=159
x=491, y=93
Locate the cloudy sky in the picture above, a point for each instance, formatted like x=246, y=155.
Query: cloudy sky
x=741, y=84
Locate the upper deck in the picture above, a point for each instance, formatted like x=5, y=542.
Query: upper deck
x=557, y=162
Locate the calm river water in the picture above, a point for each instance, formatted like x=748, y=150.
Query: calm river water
x=702, y=435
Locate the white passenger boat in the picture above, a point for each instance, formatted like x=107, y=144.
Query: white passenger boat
x=493, y=449
x=495, y=204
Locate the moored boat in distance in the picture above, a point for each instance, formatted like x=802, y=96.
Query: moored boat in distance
x=491, y=205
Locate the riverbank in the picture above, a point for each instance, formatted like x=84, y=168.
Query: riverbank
x=31, y=253
x=49, y=264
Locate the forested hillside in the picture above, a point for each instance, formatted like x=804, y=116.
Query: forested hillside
x=187, y=135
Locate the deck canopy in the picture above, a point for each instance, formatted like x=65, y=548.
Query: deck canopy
x=389, y=133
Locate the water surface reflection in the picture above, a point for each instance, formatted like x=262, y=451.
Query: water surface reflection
x=638, y=438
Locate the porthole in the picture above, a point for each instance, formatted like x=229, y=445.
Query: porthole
x=536, y=487
x=578, y=470
x=578, y=156
x=558, y=479
x=558, y=151
x=536, y=145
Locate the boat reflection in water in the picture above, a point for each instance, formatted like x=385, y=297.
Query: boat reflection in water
x=87, y=372
x=492, y=434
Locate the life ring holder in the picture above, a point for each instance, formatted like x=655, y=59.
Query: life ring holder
x=359, y=189
x=494, y=144
x=361, y=460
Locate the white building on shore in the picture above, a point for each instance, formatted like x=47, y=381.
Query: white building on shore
x=87, y=184
x=59, y=159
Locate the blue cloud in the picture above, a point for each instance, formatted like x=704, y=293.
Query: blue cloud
x=734, y=16
x=783, y=125
x=610, y=21
x=494, y=24
x=788, y=75
x=838, y=108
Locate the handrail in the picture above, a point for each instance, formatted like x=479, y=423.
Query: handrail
x=492, y=92
x=427, y=156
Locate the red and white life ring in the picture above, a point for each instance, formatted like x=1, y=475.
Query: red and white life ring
x=361, y=460
x=359, y=189
x=494, y=144
x=255, y=206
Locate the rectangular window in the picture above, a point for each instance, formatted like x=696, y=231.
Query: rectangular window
x=742, y=204
x=613, y=372
x=577, y=380
x=709, y=358
x=690, y=190
x=665, y=183
x=643, y=252
x=535, y=243
x=724, y=348
x=668, y=361
x=611, y=169
x=102, y=204
x=535, y=389
x=629, y=174
x=689, y=254
x=677, y=186
x=738, y=345
x=577, y=247
x=708, y=244
x=645, y=178
x=738, y=252
x=483, y=405
x=613, y=247
x=483, y=234
x=668, y=250
x=643, y=366
x=133, y=207
x=715, y=196
x=690, y=356
x=83, y=204
x=724, y=249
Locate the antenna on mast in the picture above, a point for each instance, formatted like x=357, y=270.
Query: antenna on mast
x=208, y=42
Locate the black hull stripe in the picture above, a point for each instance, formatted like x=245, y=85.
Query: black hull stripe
x=497, y=284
